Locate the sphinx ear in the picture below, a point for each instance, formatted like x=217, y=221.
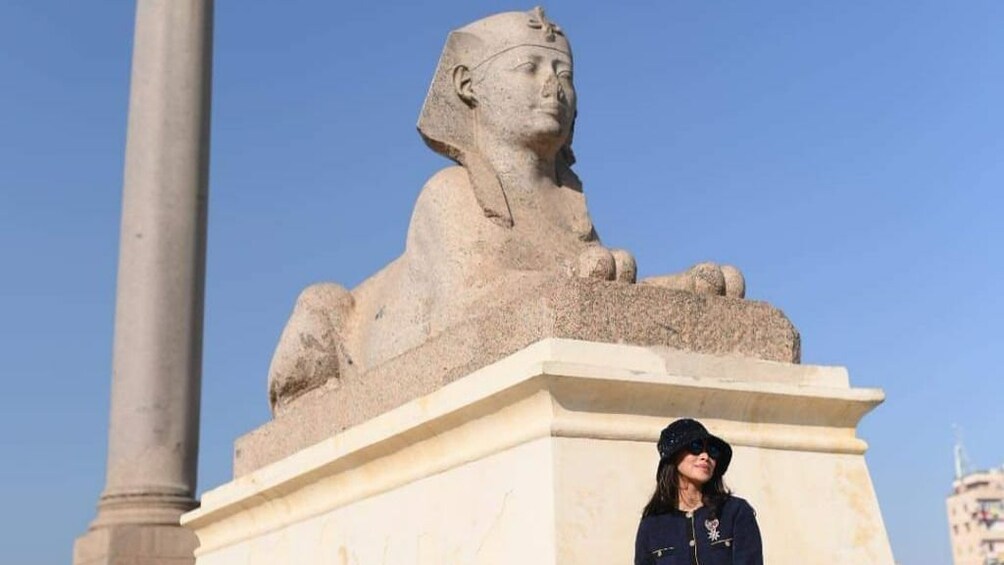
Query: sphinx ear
x=462, y=83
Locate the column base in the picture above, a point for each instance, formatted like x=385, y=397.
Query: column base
x=139, y=528
x=132, y=544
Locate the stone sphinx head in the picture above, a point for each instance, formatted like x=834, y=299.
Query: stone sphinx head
x=503, y=82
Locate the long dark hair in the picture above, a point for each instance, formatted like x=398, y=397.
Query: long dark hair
x=666, y=498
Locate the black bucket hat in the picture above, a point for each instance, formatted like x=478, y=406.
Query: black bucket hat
x=679, y=434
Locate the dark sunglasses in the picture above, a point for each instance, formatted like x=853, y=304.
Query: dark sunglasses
x=699, y=446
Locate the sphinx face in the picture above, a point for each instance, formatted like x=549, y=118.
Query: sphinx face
x=525, y=96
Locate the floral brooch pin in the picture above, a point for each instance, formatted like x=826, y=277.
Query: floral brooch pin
x=712, y=526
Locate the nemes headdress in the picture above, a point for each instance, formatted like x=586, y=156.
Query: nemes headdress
x=447, y=122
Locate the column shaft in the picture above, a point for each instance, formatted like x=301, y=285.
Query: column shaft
x=156, y=372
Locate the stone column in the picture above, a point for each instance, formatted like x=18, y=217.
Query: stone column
x=154, y=426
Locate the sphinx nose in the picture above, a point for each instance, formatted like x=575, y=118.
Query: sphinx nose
x=552, y=88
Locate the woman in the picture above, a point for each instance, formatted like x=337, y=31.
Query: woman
x=692, y=518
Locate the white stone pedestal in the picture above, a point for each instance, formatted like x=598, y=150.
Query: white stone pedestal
x=548, y=457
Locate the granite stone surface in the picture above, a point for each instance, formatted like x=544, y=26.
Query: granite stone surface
x=575, y=308
x=507, y=225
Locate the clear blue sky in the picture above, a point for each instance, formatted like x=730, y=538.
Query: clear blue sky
x=849, y=156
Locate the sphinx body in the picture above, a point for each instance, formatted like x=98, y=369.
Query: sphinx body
x=510, y=215
x=455, y=259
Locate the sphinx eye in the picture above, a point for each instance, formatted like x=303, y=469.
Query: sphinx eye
x=528, y=67
x=567, y=75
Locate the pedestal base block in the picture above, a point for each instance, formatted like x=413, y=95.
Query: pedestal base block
x=136, y=545
x=548, y=457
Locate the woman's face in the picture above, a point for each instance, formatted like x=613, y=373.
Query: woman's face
x=697, y=469
x=526, y=96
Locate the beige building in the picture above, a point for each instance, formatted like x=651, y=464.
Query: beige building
x=976, y=518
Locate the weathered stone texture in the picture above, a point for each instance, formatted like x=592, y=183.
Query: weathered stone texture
x=584, y=309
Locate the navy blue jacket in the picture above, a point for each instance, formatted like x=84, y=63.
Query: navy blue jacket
x=694, y=538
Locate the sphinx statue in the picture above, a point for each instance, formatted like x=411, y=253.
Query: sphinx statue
x=494, y=235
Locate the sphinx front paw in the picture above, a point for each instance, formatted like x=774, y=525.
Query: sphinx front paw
x=705, y=278
x=596, y=262
x=735, y=282
x=627, y=267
